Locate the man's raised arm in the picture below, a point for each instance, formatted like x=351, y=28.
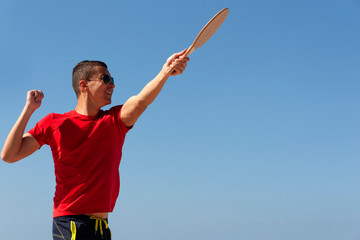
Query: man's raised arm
x=19, y=145
x=136, y=105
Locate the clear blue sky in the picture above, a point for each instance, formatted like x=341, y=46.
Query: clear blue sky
x=258, y=139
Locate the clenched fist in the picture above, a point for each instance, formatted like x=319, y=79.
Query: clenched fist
x=176, y=63
x=34, y=98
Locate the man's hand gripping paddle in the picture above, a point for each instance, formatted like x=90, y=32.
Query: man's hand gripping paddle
x=205, y=34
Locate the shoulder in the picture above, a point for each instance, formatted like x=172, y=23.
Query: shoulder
x=55, y=116
x=115, y=114
x=115, y=110
x=50, y=118
x=47, y=119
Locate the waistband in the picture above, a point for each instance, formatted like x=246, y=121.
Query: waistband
x=94, y=222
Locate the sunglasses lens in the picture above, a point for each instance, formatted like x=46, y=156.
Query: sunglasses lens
x=107, y=79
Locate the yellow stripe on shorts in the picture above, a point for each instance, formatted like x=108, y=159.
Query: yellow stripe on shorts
x=73, y=230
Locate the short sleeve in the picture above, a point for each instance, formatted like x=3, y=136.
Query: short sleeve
x=116, y=111
x=42, y=130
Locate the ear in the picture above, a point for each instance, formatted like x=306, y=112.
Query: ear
x=83, y=85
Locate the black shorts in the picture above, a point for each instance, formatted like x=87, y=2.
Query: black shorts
x=80, y=227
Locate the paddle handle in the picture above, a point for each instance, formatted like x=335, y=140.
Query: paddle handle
x=186, y=54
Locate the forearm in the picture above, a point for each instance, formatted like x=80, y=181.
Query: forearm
x=137, y=104
x=148, y=94
x=176, y=63
x=14, y=140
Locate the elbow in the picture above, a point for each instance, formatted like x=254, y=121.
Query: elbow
x=133, y=110
x=6, y=158
x=139, y=109
x=139, y=105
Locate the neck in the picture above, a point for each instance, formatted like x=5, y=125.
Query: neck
x=86, y=108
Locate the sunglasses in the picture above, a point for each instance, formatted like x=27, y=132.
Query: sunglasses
x=105, y=78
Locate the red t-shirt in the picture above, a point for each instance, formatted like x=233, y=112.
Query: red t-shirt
x=87, y=153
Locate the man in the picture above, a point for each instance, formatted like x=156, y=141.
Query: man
x=86, y=145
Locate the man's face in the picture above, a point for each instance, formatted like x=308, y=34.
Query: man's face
x=99, y=92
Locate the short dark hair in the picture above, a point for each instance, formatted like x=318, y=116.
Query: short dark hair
x=84, y=70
